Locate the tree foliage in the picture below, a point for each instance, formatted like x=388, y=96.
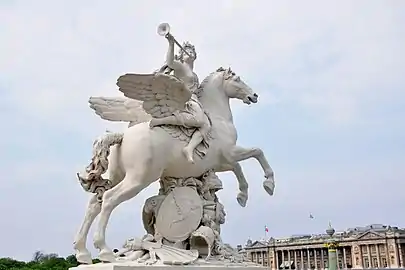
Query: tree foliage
x=41, y=261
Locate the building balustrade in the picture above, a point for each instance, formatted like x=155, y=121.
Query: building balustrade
x=380, y=247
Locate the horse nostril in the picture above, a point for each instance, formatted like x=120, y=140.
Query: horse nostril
x=255, y=95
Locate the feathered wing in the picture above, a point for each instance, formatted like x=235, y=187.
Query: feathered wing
x=161, y=94
x=119, y=109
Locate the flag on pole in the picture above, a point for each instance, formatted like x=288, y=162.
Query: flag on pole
x=266, y=229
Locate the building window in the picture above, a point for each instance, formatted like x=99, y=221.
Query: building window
x=384, y=262
x=375, y=263
x=366, y=263
x=357, y=261
x=382, y=249
x=392, y=260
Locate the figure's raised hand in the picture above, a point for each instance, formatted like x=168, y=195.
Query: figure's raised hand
x=170, y=38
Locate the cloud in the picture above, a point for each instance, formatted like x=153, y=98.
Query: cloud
x=330, y=117
x=299, y=48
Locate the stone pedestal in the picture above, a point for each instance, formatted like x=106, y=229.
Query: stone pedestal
x=135, y=266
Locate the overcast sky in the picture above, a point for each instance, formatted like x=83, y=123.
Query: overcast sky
x=330, y=118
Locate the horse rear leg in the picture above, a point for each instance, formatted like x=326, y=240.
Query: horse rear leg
x=116, y=174
x=133, y=183
x=82, y=253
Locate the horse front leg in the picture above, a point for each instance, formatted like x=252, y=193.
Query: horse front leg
x=238, y=153
x=242, y=196
x=82, y=253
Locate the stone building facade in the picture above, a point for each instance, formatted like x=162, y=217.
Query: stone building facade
x=373, y=246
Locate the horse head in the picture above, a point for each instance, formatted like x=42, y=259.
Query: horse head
x=231, y=84
x=235, y=87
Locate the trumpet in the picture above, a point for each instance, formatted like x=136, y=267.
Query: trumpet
x=164, y=30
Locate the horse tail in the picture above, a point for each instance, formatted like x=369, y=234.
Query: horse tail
x=91, y=180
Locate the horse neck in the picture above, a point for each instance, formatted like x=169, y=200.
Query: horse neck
x=216, y=102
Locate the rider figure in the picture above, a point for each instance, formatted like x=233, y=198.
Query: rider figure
x=193, y=116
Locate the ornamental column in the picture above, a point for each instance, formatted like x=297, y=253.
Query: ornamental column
x=332, y=245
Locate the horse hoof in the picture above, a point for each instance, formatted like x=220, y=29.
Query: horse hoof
x=84, y=257
x=242, y=199
x=268, y=185
x=106, y=256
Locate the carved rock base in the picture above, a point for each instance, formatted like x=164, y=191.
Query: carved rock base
x=203, y=265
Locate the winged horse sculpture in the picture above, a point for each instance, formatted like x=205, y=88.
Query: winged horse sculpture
x=141, y=155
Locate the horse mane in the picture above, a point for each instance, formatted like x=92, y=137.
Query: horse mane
x=204, y=83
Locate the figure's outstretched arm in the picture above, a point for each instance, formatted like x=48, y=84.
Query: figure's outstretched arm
x=170, y=61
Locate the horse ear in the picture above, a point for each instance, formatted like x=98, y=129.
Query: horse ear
x=220, y=69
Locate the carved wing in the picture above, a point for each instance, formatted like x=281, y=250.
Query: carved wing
x=161, y=94
x=119, y=109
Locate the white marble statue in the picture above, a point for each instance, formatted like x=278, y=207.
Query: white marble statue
x=130, y=110
x=193, y=116
x=191, y=131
